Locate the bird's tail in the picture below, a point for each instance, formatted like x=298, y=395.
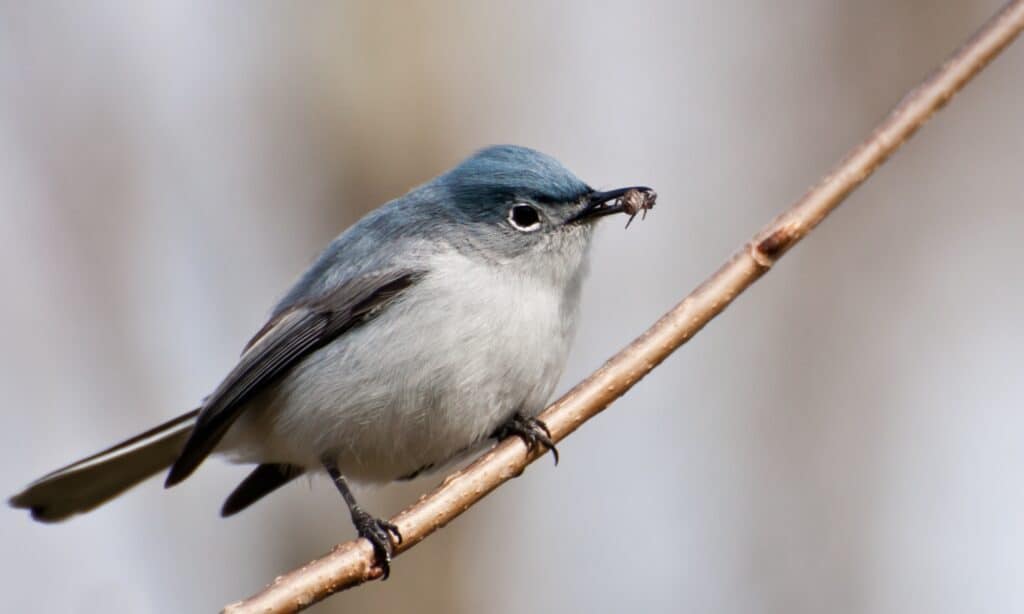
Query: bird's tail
x=92, y=481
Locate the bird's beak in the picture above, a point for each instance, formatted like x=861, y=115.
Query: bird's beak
x=600, y=204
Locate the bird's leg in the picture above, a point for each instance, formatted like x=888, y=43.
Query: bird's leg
x=531, y=430
x=378, y=532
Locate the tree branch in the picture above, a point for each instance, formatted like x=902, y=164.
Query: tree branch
x=351, y=563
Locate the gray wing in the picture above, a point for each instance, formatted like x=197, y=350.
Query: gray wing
x=288, y=337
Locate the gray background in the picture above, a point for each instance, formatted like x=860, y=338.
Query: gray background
x=846, y=438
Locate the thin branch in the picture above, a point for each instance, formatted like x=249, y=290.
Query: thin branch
x=351, y=563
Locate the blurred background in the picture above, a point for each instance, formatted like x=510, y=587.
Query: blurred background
x=845, y=438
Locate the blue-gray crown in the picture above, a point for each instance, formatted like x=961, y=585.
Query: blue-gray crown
x=507, y=172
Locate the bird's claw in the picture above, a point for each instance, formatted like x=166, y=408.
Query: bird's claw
x=531, y=430
x=380, y=534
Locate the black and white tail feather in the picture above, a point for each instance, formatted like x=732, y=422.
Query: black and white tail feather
x=92, y=481
x=184, y=442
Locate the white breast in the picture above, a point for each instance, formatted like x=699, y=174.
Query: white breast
x=438, y=371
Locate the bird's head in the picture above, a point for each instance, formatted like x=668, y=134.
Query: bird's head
x=513, y=200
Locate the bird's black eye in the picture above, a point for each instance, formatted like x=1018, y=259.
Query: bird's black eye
x=524, y=218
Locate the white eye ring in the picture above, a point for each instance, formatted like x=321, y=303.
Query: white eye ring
x=523, y=217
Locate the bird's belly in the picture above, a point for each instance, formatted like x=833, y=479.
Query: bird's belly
x=432, y=376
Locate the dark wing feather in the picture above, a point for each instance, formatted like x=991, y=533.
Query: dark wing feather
x=289, y=336
x=263, y=480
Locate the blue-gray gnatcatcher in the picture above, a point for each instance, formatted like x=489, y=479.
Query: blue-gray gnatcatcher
x=437, y=321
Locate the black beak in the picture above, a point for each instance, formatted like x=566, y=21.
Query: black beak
x=600, y=204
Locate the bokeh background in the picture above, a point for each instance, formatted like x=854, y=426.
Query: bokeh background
x=846, y=438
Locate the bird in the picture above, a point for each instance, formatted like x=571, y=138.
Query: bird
x=438, y=321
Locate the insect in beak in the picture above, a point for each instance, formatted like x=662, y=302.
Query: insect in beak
x=630, y=201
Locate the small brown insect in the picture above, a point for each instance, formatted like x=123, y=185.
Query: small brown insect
x=635, y=201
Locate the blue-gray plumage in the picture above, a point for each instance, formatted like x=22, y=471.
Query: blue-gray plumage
x=435, y=322
x=473, y=196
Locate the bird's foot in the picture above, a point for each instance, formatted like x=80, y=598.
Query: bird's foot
x=531, y=430
x=380, y=534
